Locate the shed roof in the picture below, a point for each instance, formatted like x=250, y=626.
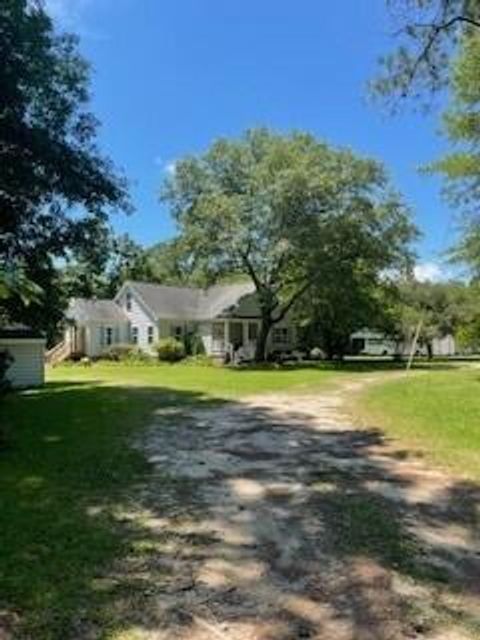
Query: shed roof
x=19, y=331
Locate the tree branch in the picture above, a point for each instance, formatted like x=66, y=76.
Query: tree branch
x=248, y=265
x=449, y=23
x=436, y=30
x=293, y=299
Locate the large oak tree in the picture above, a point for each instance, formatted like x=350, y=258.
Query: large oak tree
x=280, y=209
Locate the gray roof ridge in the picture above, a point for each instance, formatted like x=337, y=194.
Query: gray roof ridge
x=224, y=285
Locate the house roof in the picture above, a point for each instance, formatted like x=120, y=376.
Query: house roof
x=193, y=304
x=83, y=310
x=16, y=331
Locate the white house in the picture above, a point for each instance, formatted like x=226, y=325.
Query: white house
x=27, y=349
x=225, y=317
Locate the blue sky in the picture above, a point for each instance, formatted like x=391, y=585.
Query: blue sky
x=169, y=77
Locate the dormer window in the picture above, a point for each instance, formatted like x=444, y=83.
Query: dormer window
x=128, y=301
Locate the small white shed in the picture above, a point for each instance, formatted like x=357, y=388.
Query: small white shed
x=27, y=349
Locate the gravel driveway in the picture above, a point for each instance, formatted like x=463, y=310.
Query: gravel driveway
x=278, y=518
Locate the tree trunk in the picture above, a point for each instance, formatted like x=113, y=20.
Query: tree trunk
x=261, y=347
x=429, y=349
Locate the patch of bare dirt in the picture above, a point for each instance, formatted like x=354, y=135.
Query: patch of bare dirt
x=275, y=518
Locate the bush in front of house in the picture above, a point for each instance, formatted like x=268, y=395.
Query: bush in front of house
x=194, y=344
x=170, y=350
x=125, y=353
x=202, y=360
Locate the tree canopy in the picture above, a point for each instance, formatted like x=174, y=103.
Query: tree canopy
x=428, y=33
x=278, y=209
x=438, y=52
x=461, y=167
x=56, y=188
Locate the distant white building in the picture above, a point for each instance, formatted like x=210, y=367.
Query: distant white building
x=375, y=343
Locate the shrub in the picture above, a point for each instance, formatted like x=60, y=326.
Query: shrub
x=124, y=353
x=202, y=360
x=194, y=345
x=170, y=350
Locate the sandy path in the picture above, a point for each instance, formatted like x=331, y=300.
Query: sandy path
x=282, y=521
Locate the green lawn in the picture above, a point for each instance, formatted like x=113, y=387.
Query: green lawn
x=218, y=382
x=436, y=412
x=66, y=475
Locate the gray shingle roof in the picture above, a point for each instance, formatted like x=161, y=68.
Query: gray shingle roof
x=83, y=310
x=193, y=304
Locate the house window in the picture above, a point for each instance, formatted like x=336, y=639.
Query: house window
x=177, y=331
x=280, y=335
x=108, y=336
x=150, y=334
x=252, y=331
x=128, y=301
x=135, y=335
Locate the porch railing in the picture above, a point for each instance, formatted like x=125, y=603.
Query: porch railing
x=58, y=353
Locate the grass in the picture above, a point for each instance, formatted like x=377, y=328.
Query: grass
x=67, y=474
x=436, y=413
x=218, y=382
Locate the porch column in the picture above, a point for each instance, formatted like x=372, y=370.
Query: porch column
x=245, y=333
x=226, y=337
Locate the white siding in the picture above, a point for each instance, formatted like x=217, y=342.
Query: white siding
x=140, y=318
x=95, y=337
x=28, y=368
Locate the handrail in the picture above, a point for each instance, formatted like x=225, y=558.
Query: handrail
x=59, y=352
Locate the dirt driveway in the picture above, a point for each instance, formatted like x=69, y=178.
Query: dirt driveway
x=282, y=520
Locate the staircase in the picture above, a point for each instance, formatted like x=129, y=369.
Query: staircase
x=58, y=353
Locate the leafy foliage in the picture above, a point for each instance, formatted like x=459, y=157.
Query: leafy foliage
x=14, y=282
x=170, y=263
x=432, y=33
x=277, y=209
x=58, y=189
x=125, y=353
x=122, y=259
x=461, y=167
x=441, y=308
x=427, y=32
x=349, y=296
x=170, y=350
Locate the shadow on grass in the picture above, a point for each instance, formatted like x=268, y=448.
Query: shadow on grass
x=353, y=365
x=243, y=517
x=66, y=463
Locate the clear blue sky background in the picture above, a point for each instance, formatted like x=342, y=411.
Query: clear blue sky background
x=169, y=77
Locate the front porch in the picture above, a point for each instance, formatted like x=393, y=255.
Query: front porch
x=234, y=338
x=237, y=338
